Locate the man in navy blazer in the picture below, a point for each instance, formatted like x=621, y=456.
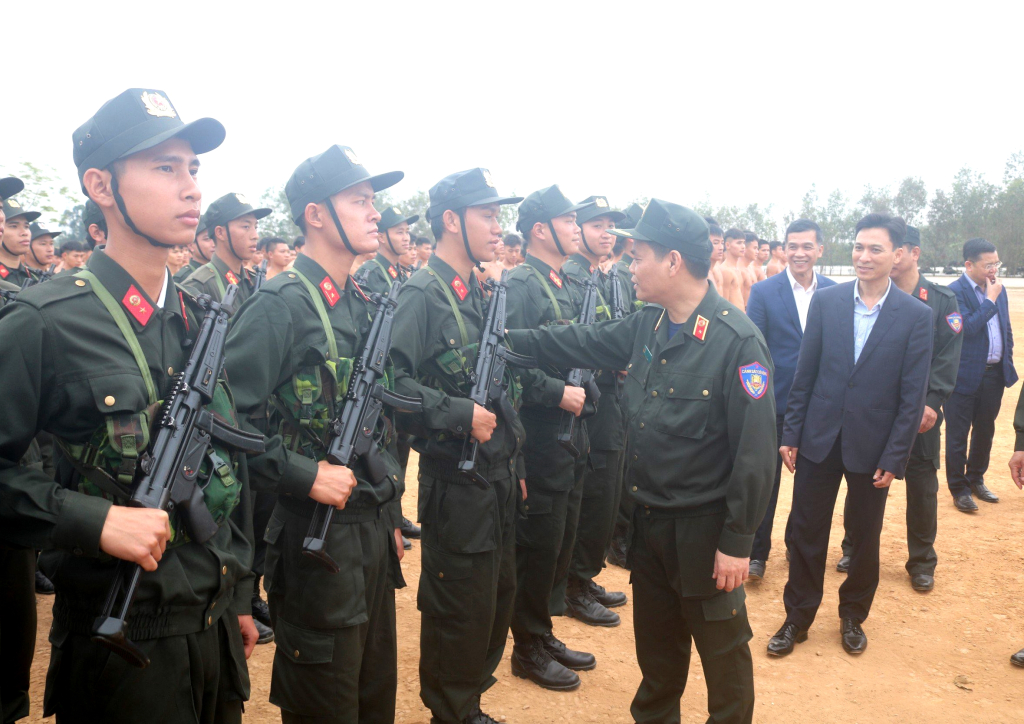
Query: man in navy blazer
x=986, y=368
x=853, y=410
x=778, y=306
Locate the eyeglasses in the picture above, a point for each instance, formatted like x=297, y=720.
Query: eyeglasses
x=995, y=266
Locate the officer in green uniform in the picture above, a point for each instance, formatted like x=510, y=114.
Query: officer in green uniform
x=234, y=223
x=922, y=478
x=15, y=243
x=468, y=581
x=95, y=225
x=202, y=252
x=94, y=355
x=539, y=294
x=584, y=599
x=701, y=460
x=41, y=256
x=290, y=356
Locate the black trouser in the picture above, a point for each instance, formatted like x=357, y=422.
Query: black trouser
x=815, y=488
x=17, y=629
x=922, y=483
x=763, y=537
x=674, y=603
x=602, y=489
x=467, y=588
x=404, y=446
x=973, y=414
x=262, y=508
x=199, y=677
x=336, y=659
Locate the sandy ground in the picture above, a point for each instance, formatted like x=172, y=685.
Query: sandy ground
x=919, y=643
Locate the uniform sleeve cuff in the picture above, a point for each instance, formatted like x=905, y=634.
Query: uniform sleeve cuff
x=80, y=523
x=393, y=513
x=934, y=401
x=554, y=390
x=735, y=544
x=241, y=597
x=460, y=415
x=299, y=476
x=1019, y=443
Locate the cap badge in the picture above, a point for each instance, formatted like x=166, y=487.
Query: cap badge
x=601, y=202
x=241, y=199
x=352, y=156
x=139, y=307
x=555, y=279
x=230, y=276
x=157, y=105
x=700, y=327
x=460, y=288
x=924, y=294
x=754, y=378
x=13, y=204
x=487, y=178
x=330, y=293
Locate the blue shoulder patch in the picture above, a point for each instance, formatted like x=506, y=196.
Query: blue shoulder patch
x=955, y=322
x=754, y=378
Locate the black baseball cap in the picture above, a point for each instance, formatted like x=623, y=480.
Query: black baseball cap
x=913, y=236
x=544, y=205
x=462, y=189
x=633, y=213
x=320, y=177
x=228, y=208
x=391, y=217
x=598, y=208
x=39, y=230
x=10, y=186
x=673, y=227
x=13, y=209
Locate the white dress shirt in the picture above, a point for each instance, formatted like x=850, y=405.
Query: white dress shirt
x=802, y=296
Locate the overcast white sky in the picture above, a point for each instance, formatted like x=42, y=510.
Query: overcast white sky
x=740, y=102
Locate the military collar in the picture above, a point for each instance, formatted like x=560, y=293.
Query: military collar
x=226, y=273
x=327, y=285
x=555, y=276
x=923, y=288
x=129, y=294
x=392, y=270
x=6, y=271
x=449, y=276
x=699, y=324
x=584, y=262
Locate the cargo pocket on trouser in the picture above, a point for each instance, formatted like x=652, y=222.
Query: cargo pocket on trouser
x=307, y=680
x=725, y=623
x=466, y=517
x=457, y=612
x=537, y=529
x=725, y=656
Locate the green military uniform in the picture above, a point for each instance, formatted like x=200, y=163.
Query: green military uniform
x=468, y=581
x=22, y=273
x=922, y=469
x=700, y=464
x=193, y=264
x=213, y=277
x=380, y=273
x=77, y=374
x=539, y=295
x=290, y=354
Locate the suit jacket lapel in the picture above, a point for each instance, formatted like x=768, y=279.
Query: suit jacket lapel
x=789, y=302
x=969, y=294
x=886, y=317
x=845, y=324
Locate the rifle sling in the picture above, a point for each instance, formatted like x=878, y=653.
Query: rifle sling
x=455, y=309
x=547, y=289
x=332, y=342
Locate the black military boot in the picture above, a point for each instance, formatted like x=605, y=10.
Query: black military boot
x=575, y=660
x=581, y=605
x=260, y=609
x=608, y=599
x=409, y=529
x=531, y=660
x=617, y=549
x=44, y=586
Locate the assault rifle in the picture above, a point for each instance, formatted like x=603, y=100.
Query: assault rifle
x=170, y=479
x=43, y=277
x=489, y=374
x=618, y=307
x=352, y=434
x=261, y=275
x=580, y=377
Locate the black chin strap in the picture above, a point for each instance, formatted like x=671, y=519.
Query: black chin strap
x=32, y=251
x=199, y=250
x=341, y=231
x=583, y=238
x=127, y=219
x=231, y=245
x=387, y=235
x=558, y=244
x=465, y=240
x=9, y=251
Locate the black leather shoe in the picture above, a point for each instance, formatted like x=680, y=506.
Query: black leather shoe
x=478, y=717
x=581, y=605
x=266, y=633
x=843, y=566
x=854, y=638
x=44, y=586
x=575, y=660
x=965, y=503
x=1018, y=659
x=922, y=582
x=260, y=609
x=406, y=543
x=409, y=529
x=532, y=661
x=788, y=636
x=756, y=572
x=981, y=492
x=608, y=599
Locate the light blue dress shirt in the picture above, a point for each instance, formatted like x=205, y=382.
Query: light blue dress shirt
x=995, y=332
x=864, y=319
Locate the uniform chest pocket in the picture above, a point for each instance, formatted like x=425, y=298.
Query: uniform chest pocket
x=685, y=405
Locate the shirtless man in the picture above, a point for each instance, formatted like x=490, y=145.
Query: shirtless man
x=732, y=273
x=763, y=252
x=717, y=256
x=777, y=259
x=748, y=265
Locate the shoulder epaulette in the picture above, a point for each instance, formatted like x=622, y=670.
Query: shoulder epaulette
x=55, y=290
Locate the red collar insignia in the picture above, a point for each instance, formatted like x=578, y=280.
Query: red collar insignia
x=459, y=288
x=184, y=314
x=359, y=289
x=4, y=272
x=230, y=276
x=923, y=294
x=700, y=327
x=392, y=272
x=135, y=303
x=555, y=279
x=327, y=287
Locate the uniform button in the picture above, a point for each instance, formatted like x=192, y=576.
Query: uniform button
x=79, y=282
x=170, y=370
x=647, y=512
x=527, y=507
x=629, y=366
x=451, y=341
x=440, y=574
x=664, y=361
x=209, y=620
x=224, y=571
x=705, y=393
x=641, y=426
x=671, y=390
x=654, y=394
x=634, y=488
x=292, y=276
x=296, y=653
x=109, y=400
x=635, y=457
x=213, y=605
x=726, y=314
x=458, y=429
x=734, y=610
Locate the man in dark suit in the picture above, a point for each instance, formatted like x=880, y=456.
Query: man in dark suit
x=854, y=409
x=986, y=367
x=778, y=306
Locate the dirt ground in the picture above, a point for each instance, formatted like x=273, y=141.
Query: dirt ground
x=919, y=643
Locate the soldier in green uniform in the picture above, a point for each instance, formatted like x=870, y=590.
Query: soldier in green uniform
x=582, y=598
x=95, y=225
x=41, y=256
x=15, y=242
x=290, y=355
x=922, y=478
x=234, y=224
x=468, y=580
x=95, y=353
x=202, y=252
x=540, y=294
x=700, y=460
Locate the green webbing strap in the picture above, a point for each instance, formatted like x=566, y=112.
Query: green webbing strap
x=455, y=307
x=387, y=277
x=332, y=342
x=547, y=288
x=220, y=282
x=126, y=329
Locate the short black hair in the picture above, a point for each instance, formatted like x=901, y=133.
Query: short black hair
x=714, y=229
x=437, y=228
x=734, y=233
x=795, y=227
x=974, y=248
x=73, y=245
x=421, y=240
x=894, y=225
x=513, y=240
x=698, y=268
x=300, y=241
x=270, y=243
x=762, y=242
x=749, y=236
x=773, y=245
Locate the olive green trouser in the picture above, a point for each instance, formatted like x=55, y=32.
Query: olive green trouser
x=17, y=629
x=602, y=491
x=467, y=587
x=336, y=660
x=675, y=602
x=198, y=678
